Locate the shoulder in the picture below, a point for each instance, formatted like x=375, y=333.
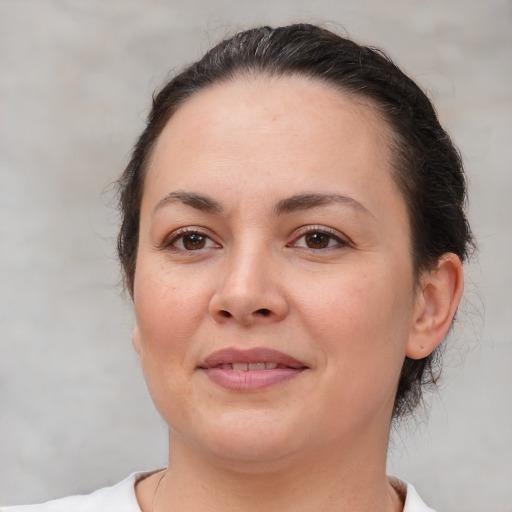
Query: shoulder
x=409, y=495
x=117, y=498
x=121, y=498
x=413, y=502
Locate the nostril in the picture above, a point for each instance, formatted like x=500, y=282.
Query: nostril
x=225, y=314
x=263, y=312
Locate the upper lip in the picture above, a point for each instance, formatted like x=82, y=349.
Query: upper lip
x=250, y=355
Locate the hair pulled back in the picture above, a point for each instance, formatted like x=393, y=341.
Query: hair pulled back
x=428, y=167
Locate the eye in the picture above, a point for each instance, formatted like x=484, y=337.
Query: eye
x=190, y=240
x=318, y=239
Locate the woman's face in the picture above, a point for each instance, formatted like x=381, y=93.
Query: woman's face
x=274, y=290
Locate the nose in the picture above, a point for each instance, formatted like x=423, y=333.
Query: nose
x=249, y=291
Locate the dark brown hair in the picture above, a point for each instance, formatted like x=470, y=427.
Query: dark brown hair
x=428, y=167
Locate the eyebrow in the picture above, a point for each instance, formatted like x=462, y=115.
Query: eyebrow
x=291, y=204
x=307, y=201
x=197, y=201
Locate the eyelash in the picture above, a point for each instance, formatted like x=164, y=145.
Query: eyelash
x=321, y=230
x=182, y=233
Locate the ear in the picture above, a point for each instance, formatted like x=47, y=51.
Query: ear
x=437, y=300
x=136, y=342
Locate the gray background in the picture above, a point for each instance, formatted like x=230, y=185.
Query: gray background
x=76, y=79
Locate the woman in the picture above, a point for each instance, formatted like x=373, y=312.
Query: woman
x=292, y=238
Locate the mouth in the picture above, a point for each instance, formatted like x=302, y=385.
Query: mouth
x=250, y=369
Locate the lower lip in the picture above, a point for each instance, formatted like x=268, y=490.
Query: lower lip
x=251, y=380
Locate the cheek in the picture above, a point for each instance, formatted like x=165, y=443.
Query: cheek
x=169, y=308
x=168, y=311
x=361, y=321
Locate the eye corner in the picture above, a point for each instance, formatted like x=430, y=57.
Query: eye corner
x=189, y=239
x=319, y=239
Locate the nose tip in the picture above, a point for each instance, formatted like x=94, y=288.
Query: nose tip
x=247, y=305
x=262, y=313
x=249, y=287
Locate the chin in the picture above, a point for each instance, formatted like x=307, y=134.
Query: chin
x=246, y=436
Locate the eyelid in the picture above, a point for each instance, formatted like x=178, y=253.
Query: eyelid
x=342, y=239
x=175, y=235
x=171, y=238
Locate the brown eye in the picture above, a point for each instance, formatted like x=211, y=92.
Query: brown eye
x=189, y=240
x=317, y=240
x=193, y=241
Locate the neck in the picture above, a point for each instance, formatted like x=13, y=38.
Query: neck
x=350, y=480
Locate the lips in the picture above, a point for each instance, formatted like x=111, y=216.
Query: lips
x=250, y=369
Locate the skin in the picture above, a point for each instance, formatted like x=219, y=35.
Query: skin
x=350, y=311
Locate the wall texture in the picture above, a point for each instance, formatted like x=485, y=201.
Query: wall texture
x=76, y=79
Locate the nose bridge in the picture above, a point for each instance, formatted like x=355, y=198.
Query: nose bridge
x=248, y=290
x=245, y=268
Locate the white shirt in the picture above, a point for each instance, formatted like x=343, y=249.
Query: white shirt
x=121, y=498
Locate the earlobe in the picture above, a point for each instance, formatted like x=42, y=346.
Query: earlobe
x=439, y=295
x=136, y=342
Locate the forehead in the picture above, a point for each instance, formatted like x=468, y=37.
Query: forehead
x=254, y=127
x=291, y=102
